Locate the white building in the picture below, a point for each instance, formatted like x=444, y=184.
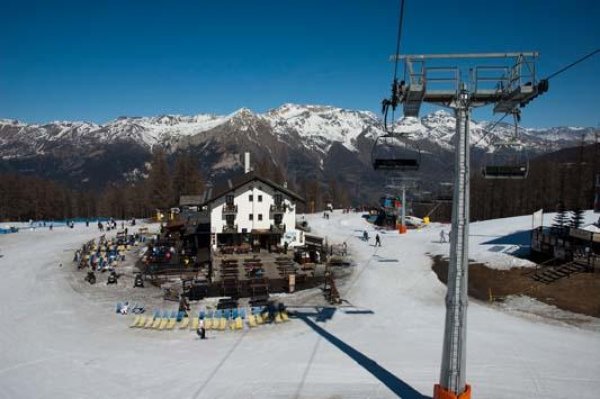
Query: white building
x=252, y=209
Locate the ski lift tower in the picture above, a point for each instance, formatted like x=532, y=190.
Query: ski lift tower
x=508, y=84
x=402, y=184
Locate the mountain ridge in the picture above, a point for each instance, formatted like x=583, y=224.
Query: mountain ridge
x=316, y=123
x=320, y=142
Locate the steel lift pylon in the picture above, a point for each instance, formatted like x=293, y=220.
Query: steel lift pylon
x=508, y=85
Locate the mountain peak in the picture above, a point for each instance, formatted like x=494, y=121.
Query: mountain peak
x=242, y=113
x=15, y=122
x=440, y=113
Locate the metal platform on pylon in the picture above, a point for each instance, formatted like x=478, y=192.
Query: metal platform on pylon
x=509, y=84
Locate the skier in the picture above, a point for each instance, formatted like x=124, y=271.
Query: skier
x=365, y=235
x=377, y=240
x=442, y=236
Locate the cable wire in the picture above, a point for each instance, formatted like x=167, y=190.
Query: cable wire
x=585, y=57
x=488, y=131
x=552, y=75
x=399, y=38
x=393, y=101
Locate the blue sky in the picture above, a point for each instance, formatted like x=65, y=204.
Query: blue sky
x=79, y=60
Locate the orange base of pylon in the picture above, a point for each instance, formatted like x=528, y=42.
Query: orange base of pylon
x=441, y=393
x=402, y=229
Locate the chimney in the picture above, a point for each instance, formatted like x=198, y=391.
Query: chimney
x=246, y=162
x=285, y=184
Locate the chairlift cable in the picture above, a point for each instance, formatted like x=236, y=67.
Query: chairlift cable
x=393, y=102
x=563, y=69
x=489, y=130
x=399, y=38
x=552, y=75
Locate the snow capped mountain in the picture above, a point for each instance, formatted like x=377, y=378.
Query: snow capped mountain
x=320, y=126
x=307, y=141
x=439, y=127
x=315, y=127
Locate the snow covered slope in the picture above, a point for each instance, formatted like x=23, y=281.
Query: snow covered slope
x=384, y=342
x=494, y=242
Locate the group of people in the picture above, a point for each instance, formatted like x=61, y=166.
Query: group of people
x=102, y=256
x=366, y=238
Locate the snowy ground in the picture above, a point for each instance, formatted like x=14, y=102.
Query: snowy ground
x=385, y=343
x=499, y=243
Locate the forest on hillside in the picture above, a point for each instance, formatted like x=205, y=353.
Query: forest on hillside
x=24, y=198
x=566, y=177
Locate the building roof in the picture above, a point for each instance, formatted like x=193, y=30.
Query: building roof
x=190, y=200
x=212, y=193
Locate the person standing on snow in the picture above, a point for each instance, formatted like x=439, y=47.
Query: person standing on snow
x=201, y=330
x=442, y=236
x=377, y=240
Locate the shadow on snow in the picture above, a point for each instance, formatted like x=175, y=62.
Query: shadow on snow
x=520, y=239
x=395, y=384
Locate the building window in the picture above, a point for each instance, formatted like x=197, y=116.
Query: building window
x=260, y=198
x=229, y=220
x=250, y=198
x=251, y=217
x=229, y=199
x=260, y=216
x=278, y=199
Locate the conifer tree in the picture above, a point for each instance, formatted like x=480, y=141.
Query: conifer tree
x=576, y=218
x=186, y=177
x=159, y=181
x=560, y=220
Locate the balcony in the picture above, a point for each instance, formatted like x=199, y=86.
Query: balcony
x=278, y=208
x=230, y=228
x=277, y=228
x=230, y=209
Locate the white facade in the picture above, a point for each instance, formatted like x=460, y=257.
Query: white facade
x=254, y=208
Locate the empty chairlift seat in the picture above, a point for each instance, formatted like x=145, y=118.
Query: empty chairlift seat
x=506, y=160
x=390, y=152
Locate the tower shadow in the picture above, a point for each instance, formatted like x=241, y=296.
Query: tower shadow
x=395, y=384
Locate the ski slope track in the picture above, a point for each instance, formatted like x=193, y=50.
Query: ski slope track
x=385, y=341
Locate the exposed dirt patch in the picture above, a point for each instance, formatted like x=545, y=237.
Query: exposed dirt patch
x=579, y=293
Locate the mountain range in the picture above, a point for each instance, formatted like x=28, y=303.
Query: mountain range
x=306, y=141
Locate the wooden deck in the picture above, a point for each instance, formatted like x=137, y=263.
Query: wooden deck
x=257, y=274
